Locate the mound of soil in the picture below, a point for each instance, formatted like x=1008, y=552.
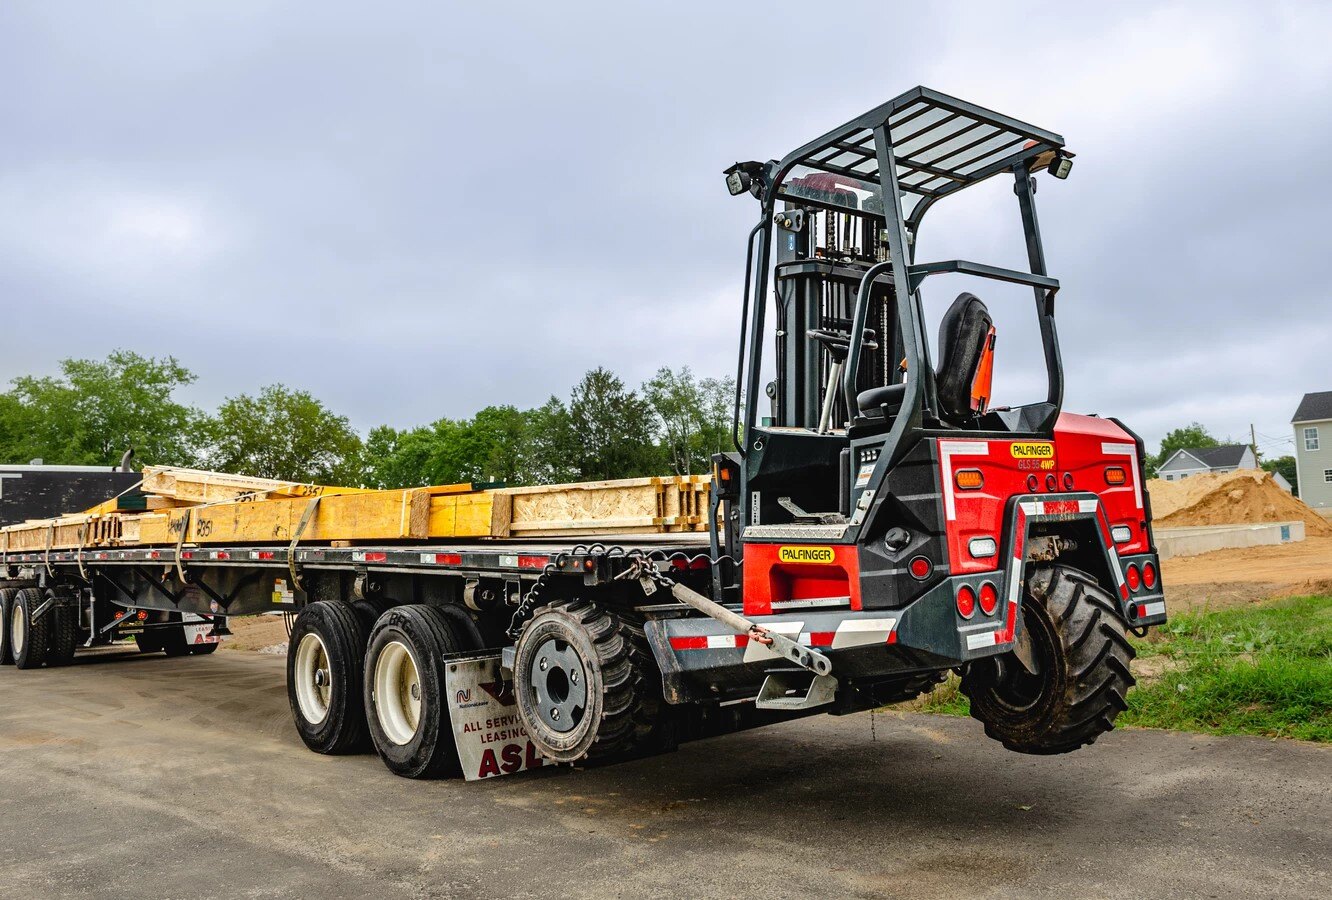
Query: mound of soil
x=1244, y=497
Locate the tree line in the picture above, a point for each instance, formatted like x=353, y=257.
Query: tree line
x=96, y=409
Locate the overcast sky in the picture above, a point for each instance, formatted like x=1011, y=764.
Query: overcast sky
x=414, y=210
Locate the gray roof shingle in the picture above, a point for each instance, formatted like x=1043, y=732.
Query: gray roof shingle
x=1222, y=457
x=1314, y=407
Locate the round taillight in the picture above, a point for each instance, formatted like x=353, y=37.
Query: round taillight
x=989, y=599
x=1149, y=575
x=966, y=602
x=920, y=568
x=1032, y=484
x=1132, y=577
x=1068, y=481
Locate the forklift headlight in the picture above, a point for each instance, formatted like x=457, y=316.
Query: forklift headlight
x=737, y=182
x=1061, y=166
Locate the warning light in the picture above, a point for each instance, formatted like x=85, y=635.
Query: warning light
x=966, y=602
x=989, y=599
x=1133, y=577
x=1115, y=475
x=969, y=479
x=920, y=568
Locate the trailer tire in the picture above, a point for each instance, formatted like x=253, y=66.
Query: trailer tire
x=173, y=639
x=583, y=677
x=1079, y=638
x=149, y=641
x=63, y=636
x=204, y=649
x=30, y=639
x=6, y=604
x=325, y=656
x=405, y=698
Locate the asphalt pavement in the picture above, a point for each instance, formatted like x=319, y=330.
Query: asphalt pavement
x=129, y=776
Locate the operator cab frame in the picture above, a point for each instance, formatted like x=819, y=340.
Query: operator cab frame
x=855, y=389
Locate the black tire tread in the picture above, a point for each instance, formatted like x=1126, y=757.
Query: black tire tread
x=344, y=633
x=1094, y=672
x=631, y=688
x=6, y=604
x=38, y=633
x=63, y=635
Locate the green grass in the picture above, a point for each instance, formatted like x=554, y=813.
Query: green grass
x=1263, y=670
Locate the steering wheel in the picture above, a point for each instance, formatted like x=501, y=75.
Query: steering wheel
x=838, y=343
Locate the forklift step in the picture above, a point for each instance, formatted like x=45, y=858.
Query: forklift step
x=795, y=689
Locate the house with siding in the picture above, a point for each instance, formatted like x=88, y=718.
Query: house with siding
x=1214, y=460
x=1313, y=450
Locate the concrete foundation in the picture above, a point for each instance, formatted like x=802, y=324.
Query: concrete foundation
x=1206, y=538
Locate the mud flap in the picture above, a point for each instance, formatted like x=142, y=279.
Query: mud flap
x=490, y=738
x=198, y=630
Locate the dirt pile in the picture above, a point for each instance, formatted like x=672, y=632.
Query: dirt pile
x=1244, y=497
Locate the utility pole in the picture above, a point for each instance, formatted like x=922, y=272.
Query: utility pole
x=1253, y=443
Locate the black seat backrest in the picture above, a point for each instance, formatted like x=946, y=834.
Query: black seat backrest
x=962, y=336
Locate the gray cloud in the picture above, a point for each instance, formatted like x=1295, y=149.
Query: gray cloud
x=414, y=212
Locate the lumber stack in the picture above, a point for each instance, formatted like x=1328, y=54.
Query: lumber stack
x=191, y=506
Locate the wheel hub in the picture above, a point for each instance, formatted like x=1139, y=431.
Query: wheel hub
x=559, y=683
x=397, y=693
x=314, y=681
x=17, y=630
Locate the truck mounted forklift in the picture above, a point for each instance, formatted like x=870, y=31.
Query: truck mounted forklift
x=879, y=524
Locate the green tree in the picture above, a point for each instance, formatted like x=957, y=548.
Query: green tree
x=1193, y=435
x=1285, y=467
x=284, y=434
x=553, y=444
x=614, y=426
x=97, y=409
x=692, y=416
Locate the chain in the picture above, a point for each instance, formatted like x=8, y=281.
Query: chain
x=642, y=563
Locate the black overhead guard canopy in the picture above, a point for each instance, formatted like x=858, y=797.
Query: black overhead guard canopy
x=940, y=145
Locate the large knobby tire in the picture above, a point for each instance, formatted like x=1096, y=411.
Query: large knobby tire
x=405, y=699
x=325, y=657
x=204, y=649
x=29, y=639
x=63, y=636
x=1079, y=638
x=6, y=604
x=586, y=683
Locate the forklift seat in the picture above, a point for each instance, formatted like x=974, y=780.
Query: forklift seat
x=965, y=347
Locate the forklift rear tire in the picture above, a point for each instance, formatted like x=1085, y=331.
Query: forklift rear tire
x=173, y=639
x=325, y=656
x=1080, y=641
x=63, y=635
x=29, y=639
x=405, y=701
x=583, y=677
x=6, y=604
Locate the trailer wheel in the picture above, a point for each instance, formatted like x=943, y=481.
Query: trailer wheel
x=203, y=649
x=29, y=639
x=404, y=690
x=1079, y=639
x=63, y=635
x=582, y=676
x=324, y=660
x=149, y=641
x=6, y=604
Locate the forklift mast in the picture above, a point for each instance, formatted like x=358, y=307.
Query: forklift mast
x=855, y=387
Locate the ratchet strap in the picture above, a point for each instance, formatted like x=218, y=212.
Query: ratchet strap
x=295, y=538
x=180, y=542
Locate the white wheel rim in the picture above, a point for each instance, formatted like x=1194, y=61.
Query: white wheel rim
x=17, y=629
x=397, y=693
x=314, y=682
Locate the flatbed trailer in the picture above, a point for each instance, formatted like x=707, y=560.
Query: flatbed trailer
x=884, y=526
